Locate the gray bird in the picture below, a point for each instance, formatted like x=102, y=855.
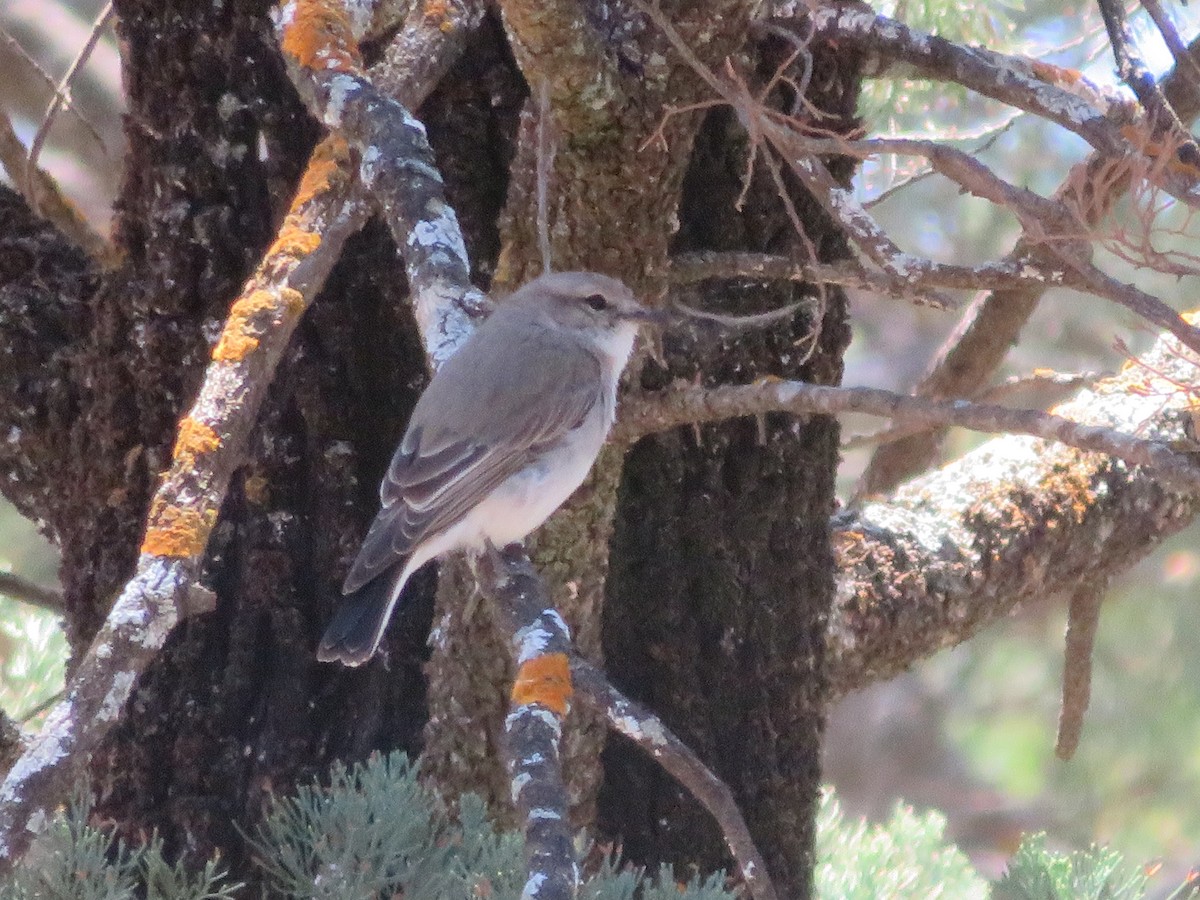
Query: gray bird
x=506, y=430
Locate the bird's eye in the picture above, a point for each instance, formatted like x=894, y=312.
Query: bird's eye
x=597, y=302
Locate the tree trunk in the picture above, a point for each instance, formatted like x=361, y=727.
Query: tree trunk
x=722, y=573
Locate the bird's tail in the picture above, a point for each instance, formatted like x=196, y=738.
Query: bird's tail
x=357, y=627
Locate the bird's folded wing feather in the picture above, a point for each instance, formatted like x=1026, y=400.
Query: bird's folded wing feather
x=457, y=450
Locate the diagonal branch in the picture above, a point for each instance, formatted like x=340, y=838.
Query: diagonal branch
x=209, y=447
x=1140, y=80
x=640, y=725
x=1057, y=95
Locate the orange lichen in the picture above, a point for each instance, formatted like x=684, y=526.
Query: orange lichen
x=240, y=336
x=293, y=300
x=328, y=161
x=294, y=243
x=1053, y=74
x=546, y=681
x=319, y=37
x=176, y=532
x=256, y=488
x=438, y=12
x=194, y=438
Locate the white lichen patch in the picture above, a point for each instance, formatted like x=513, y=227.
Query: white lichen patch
x=118, y=693
x=518, y=785
x=531, y=642
x=341, y=89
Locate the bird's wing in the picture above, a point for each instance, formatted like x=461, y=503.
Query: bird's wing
x=457, y=450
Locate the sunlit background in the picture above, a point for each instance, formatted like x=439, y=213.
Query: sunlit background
x=971, y=731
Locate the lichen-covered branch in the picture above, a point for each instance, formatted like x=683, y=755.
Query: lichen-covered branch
x=208, y=448
x=549, y=674
x=541, y=694
x=395, y=163
x=1017, y=519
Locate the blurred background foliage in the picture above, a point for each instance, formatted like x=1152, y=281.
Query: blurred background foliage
x=971, y=731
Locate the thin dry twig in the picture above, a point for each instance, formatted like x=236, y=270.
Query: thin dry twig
x=1057, y=384
x=689, y=268
x=641, y=726
x=545, y=168
x=26, y=591
x=13, y=44
x=1049, y=225
x=62, y=91
x=1170, y=36
x=992, y=324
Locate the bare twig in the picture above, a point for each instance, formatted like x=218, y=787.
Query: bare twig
x=1083, y=620
x=689, y=268
x=1049, y=223
x=641, y=726
x=1057, y=384
x=63, y=90
x=26, y=591
x=1175, y=44
x=545, y=168
x=691, y=405
x=13, y=44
